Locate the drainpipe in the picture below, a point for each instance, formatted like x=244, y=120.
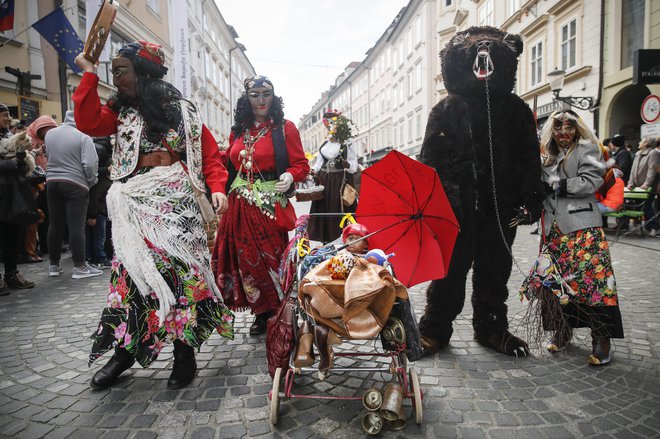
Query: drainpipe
x=600, y=73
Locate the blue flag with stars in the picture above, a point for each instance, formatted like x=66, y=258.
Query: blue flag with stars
x=57, y=30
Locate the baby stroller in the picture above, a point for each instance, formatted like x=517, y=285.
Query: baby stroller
x=398, y=337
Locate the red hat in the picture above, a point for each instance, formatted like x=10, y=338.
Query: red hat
x=354, y=229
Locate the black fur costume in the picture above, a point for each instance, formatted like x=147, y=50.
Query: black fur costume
x=456, y=144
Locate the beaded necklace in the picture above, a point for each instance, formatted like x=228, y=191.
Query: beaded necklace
x=247, y=155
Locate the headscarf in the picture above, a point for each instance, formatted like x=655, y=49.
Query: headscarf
x=258, y=82
x=148, y=58
x=39, y=123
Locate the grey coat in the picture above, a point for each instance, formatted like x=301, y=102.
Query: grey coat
x=576, y=177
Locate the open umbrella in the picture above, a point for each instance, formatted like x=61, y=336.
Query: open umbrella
x=403, y=204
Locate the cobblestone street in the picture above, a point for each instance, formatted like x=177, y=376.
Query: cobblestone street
x=470, y=392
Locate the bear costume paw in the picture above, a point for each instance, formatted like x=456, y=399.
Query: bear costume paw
x=431, y=346
x=503, y=342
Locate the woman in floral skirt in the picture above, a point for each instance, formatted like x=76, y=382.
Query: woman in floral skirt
x=579, y=269
x=161, y=284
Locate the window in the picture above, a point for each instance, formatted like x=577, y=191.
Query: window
x=400, y=100
x=419, y=125
x=410, y=129
x=418, y=76
x=401, y=126
x=448, y=2
x=537, y=63
x=632, y=30
x=512, y=7
x=154, y=5
x=418, y=30
x=568, y=43
x=409, y=84
x=485, y=14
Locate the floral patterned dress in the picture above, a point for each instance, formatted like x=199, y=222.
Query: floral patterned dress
x=579, y=273
x=133, y=320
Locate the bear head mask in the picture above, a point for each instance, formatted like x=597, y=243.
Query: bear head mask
x=478, y=54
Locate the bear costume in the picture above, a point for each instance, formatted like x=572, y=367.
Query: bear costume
x=479, y=72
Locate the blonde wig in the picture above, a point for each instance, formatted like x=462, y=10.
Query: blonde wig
x=549, y=149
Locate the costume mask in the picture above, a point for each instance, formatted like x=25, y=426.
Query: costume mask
x=260, y=92
x=564, y=130
x=124, y=77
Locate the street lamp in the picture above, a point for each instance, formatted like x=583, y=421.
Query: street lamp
x=556, y=80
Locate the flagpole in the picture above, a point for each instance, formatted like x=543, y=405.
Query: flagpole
x=64, y=92
x=30, y=26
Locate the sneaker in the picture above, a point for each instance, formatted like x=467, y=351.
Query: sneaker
x=652, y=232
x=4, y=288
x=107, y=263
x=54, y=270
x=86, y=271
x=16, y=281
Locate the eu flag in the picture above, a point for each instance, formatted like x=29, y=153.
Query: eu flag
x=57, y=30
x=6, y=15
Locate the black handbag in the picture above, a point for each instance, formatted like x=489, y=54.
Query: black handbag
x=401, y=327
x=17, y=205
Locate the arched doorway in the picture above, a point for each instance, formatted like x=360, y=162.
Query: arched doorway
x=625, y=115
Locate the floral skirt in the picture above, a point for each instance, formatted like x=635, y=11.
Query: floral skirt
x=247, y=254
x=131, y=321
x=579, y=273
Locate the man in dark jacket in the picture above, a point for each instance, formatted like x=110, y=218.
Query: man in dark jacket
x=621, y=155
x=10, y=236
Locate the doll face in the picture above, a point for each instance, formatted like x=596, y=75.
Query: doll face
x=355, y=246
x=261, y=99
x=123, y=77
x=563, y=132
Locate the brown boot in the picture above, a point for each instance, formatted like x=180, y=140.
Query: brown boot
x=305, y=347
x=601, y=353
x=325, y=338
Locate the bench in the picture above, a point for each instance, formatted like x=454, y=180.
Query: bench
x=632, y=209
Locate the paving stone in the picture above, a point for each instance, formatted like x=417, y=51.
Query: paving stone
x=469, y=391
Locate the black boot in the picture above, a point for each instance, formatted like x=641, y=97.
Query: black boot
x=184, y=368
x=259, y=325
x=108, y=374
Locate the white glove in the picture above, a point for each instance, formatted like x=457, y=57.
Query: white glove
x=285, y=182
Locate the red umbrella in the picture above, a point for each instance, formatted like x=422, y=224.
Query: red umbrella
x=403, y=204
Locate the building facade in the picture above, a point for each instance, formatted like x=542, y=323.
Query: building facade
x=387, y=95
x=629, y=25
x=217, y=62
x=593, y=42
x=218, y=65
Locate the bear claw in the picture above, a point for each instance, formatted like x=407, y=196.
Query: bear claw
x=504, y=342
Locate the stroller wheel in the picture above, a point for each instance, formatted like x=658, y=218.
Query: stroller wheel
x=417, y=395
x=275, y=397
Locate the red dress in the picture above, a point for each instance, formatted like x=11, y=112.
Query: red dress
x=248, y=247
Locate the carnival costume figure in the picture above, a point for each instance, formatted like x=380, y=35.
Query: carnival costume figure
x=161, y=284
x=264, y=158
x=335, y=165
x=573, y=276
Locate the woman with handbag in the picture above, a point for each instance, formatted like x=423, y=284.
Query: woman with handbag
x=264, y=158
x=335, y=166
x=579, y=290
x=161, y=283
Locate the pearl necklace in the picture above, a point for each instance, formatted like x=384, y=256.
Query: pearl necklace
x=247, y=155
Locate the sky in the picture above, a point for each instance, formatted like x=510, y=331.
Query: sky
x=303, y=45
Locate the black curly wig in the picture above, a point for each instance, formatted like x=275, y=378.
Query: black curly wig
x=156, y=100
x=244, y=117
